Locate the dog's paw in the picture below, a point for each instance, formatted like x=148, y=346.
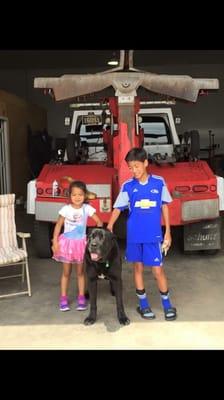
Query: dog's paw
x=124, y=320
x=89, y=320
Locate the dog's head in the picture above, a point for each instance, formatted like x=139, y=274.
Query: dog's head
x=100, y=243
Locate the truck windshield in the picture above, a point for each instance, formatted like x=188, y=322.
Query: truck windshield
x=156, y=130
x=154, y=133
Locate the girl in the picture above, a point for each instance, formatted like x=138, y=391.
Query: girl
x=69, y=247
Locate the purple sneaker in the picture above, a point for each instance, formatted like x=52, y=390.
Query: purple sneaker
x=81, y=303
x=64, y=306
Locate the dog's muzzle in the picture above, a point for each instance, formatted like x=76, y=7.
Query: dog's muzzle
x=94, y=252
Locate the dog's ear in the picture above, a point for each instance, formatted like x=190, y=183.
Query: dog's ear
x=114, y=247
x=112, y=236
x=108, y=230
x=89, y=230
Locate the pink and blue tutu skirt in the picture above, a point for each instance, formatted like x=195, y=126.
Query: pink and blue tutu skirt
x=71, y=247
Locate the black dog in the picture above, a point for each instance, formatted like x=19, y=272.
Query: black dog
x=102, y=256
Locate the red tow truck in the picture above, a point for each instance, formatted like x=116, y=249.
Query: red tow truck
x=100, y=137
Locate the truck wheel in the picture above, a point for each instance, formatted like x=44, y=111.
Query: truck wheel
x=72, y=148
x=42, y=238
x=192, y=139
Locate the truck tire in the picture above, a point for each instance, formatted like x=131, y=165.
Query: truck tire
x=42, y=238
x=72, y=148
x=192, y=139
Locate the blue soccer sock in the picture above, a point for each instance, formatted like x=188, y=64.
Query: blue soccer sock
x=143, y=301
x=165, y=298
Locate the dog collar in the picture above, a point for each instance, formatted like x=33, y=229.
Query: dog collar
x=107, y=264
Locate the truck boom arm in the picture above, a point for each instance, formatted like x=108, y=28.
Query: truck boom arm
x=125, y=80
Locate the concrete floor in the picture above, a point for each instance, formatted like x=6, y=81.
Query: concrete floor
x=196, y=287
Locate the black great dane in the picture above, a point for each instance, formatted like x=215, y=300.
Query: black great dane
x=102, y=256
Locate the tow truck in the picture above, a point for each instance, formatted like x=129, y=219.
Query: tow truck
x=102, y=134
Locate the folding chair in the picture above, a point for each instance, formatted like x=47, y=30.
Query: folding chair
x=10, y=253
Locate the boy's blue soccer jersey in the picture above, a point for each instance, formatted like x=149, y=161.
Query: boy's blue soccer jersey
x=144, y=201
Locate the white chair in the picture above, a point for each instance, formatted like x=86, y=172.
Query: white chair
x=10, y=253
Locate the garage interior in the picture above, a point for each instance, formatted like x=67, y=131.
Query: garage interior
x=196, y=280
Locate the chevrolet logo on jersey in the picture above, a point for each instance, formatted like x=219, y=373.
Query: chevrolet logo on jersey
x=145, y=203
x=154, y=191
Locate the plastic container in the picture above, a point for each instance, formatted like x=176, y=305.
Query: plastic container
x=31, y=197
x=55, y=188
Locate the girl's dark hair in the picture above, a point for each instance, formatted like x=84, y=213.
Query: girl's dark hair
x=81, y=185
x=136, y=154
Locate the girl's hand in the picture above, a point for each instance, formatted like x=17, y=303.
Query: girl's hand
x=98, y=221
x=55, y=246
x=100, y=225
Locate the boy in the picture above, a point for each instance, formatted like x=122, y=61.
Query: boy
x=145, y=196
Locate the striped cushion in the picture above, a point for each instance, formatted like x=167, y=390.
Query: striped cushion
x=7, y=221
x=7, y=199
x=10, y=255
x=9, y=251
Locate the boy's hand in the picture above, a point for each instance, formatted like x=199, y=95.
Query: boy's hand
x=165, y=247
x=168, y=239
x=110, y=228
x=166, y=243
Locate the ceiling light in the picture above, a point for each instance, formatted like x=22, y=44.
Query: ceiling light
x=113, y=60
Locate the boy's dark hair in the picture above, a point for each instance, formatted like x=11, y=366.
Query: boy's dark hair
x=136, y=154
x=78, y=184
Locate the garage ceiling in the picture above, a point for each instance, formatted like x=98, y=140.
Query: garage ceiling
x=97, y=59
